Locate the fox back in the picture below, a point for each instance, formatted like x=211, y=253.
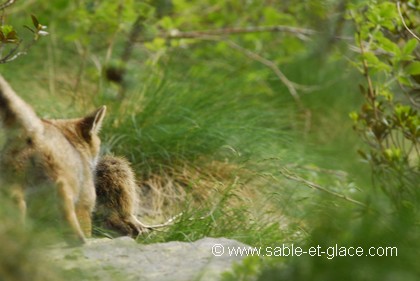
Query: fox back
x=61, y=152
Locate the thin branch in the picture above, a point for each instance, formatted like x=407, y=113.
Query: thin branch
x=301, y=33
x=13, y=54
x=291, y=86
x=2, y=22
x=336, y=173
x=12, y=57
x=403, y=21
x=114, y=35
x=135, y=32
x=7, y=4
x=169, y=222
x=339, y=24
x=412, y=100
x=371, y=90
x=312, y=185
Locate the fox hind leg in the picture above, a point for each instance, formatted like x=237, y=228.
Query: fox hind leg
x=18, y=195
x=69, y=211
x=83, y=214
x=117, y=224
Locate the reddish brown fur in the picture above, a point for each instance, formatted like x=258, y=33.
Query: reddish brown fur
x=117, y=197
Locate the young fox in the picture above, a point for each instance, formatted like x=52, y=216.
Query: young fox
x=117, y=197
x=58, y=152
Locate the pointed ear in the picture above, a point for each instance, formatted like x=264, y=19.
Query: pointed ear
x=91, y=124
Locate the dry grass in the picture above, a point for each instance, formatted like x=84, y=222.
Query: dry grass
x=168, y=193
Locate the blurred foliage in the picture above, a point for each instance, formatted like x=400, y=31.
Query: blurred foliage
x=181, y=100
x=18, y=260
x=389, y=121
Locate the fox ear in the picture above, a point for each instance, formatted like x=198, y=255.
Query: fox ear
x=92, y=123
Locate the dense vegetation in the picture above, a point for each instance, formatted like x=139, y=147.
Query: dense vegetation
x=269, y=122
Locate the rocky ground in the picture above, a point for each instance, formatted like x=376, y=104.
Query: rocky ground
x=123, y=259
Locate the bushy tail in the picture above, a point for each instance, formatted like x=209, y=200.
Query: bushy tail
x=15, y=112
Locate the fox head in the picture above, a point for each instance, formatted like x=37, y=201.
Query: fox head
x=89, y=127
x=83, y=132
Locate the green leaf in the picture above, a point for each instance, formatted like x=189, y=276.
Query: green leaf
x=156, y=44
x=166, y=23
x=375, y=63
x=387, y=44
x=363, y=154
x=12, y=37
x=388, y=95
x=354, y=116
x=6, y=29
x=410, y=46
x=35, y=21
x=413, y=68
x=8, y=34
x=404, y=80
x=271, y=15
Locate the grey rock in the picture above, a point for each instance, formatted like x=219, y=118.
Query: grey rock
x=124, y=259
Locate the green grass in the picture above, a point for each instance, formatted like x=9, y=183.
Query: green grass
x=183, y=116
x=214, y=130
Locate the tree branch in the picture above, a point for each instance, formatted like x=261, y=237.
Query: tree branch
x=291, y=86
x=286, y=173
x=7, y=4
x=13, y=54
x=403, y=21
x=301, y=33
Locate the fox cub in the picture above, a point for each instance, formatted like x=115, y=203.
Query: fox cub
x=117, y=197
x=61, y=153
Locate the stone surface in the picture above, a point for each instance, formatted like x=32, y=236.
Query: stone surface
x=123, y=259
